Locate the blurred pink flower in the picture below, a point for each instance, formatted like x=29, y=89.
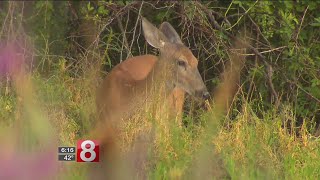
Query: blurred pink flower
x=11, y=59
x=16, y=164
x=35, y=165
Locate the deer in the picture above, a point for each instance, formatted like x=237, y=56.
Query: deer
x=128, y=83
x=133, y=82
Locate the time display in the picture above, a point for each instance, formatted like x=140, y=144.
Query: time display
x=66, y=150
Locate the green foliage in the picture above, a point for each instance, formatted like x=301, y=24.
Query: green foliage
x=49, y=23
x=8, y=105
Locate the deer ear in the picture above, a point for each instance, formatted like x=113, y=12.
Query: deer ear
x=153, y=35
x=170, y=33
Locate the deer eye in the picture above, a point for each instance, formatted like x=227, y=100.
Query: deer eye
x=182, y=63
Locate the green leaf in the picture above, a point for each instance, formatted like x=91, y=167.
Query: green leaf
x=312, y=5
x=317, y=23
x=315, y=82
x=89, y=7
x=102, y=10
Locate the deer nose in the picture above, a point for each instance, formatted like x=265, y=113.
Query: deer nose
x=206, y=95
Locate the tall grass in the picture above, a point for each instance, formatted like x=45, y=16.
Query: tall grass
x=247, y=146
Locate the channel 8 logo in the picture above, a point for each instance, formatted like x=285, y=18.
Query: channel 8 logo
x=87, y=151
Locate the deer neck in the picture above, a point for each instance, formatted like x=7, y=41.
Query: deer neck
x=155, y=87
x=159, y=81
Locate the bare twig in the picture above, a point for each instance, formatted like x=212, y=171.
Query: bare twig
x=135, y=28
x=263, y=52
x=305, y=91
x=124, y=39
x=305, y=11
x=259, y=30
x=115, y=15
x=268, y=67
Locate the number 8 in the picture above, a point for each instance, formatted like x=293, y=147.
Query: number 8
x=85, y=150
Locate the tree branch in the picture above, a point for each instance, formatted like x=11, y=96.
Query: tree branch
x=268, y=67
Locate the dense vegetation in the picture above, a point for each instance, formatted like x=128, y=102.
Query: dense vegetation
x=270, y=130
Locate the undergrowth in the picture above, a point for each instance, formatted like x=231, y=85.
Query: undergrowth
x=245, y=147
